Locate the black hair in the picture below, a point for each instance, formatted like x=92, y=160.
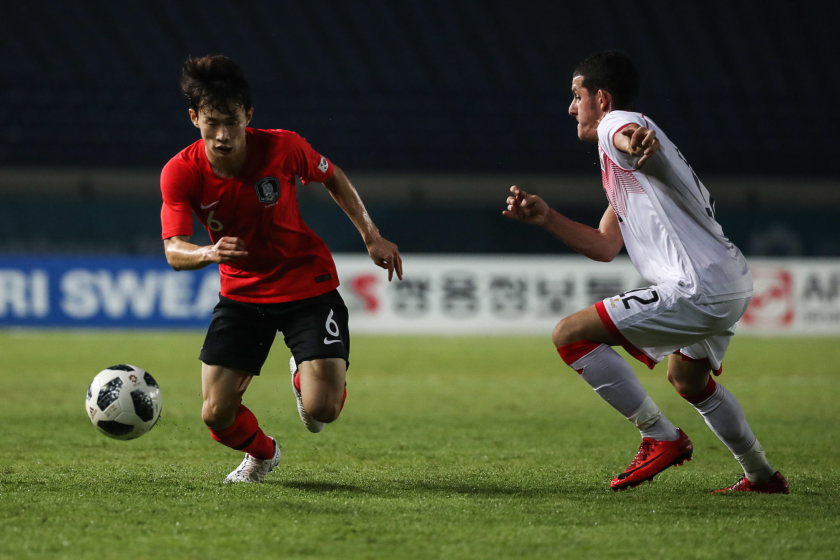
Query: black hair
x=613, y=72
x=215, y=82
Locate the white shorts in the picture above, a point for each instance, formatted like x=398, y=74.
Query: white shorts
x=653, y=322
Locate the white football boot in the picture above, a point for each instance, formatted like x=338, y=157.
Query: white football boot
x=311, y=424
x=252, y=469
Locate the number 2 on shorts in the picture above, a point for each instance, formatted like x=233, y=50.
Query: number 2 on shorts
x=626, y=300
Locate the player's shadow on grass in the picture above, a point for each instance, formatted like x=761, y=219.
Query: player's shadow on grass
x=425, y=487
x=476, y=489
x=316, y=486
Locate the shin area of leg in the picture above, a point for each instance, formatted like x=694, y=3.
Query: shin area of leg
x=725, y=417
x=616, y=382
x=231, y=423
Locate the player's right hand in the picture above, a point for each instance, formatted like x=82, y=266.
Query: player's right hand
x=643, y=143
x=386, y=255
x=227, y=249
x=528, y=208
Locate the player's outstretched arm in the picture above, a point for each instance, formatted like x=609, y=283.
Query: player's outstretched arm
x=601, y=244
x=384, y=253
x=637, y=141
x=183, y=255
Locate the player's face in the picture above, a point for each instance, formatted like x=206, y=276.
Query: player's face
x=223, y=133
x=585, y=108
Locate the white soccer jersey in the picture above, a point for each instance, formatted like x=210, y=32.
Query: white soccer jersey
x=667, y=218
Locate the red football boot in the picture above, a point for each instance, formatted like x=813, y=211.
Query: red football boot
x=654, y=456
x=776, y=485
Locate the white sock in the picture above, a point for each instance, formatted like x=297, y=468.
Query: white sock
x=652, y=423
x=616, y=382
x=755, y=465
x=724, y=415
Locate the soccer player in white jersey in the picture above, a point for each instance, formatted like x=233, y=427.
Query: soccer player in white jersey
x=701, y=283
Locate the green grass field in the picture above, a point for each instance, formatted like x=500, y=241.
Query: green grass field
x=447, y=448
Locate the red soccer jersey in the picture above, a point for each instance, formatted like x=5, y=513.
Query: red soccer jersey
x=286, y=261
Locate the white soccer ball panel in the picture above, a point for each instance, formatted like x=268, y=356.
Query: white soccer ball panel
x=129, y=418
x=125, y=397
x=112, y=411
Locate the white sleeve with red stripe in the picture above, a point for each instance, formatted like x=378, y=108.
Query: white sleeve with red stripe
x=613, y=124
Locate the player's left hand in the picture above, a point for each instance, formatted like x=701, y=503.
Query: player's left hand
x=386, y=255
x=643, y=142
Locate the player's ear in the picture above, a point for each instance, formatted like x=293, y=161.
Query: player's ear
x=249, y=115
x=604, y=100
x=194, y=118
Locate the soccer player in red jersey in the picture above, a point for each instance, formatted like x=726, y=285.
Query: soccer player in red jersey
x=701, y=283
x=276, y=274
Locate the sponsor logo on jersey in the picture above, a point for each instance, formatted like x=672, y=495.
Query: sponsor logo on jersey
x=324, y=165
x=268, y=189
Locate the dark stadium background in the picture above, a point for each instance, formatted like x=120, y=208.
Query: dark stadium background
x=434, y=108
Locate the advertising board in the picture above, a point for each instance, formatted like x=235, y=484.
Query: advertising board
x=445, y=295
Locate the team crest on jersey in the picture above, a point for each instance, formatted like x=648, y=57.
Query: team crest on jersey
x=324, y=165
x=268, y=189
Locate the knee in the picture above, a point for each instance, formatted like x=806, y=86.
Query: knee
x=324, y=407
x=679, y=385
x=218, y=416
x=685, y=385
x=326, y=413
x=564, y=333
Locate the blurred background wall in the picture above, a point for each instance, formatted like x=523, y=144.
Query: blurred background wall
x=434, y=108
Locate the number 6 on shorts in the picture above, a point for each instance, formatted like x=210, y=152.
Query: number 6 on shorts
x=332, y=326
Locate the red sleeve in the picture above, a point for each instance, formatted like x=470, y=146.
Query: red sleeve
x=308, y=164
x=177, y=185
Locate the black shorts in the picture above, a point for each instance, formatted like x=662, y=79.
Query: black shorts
x=240, y=334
